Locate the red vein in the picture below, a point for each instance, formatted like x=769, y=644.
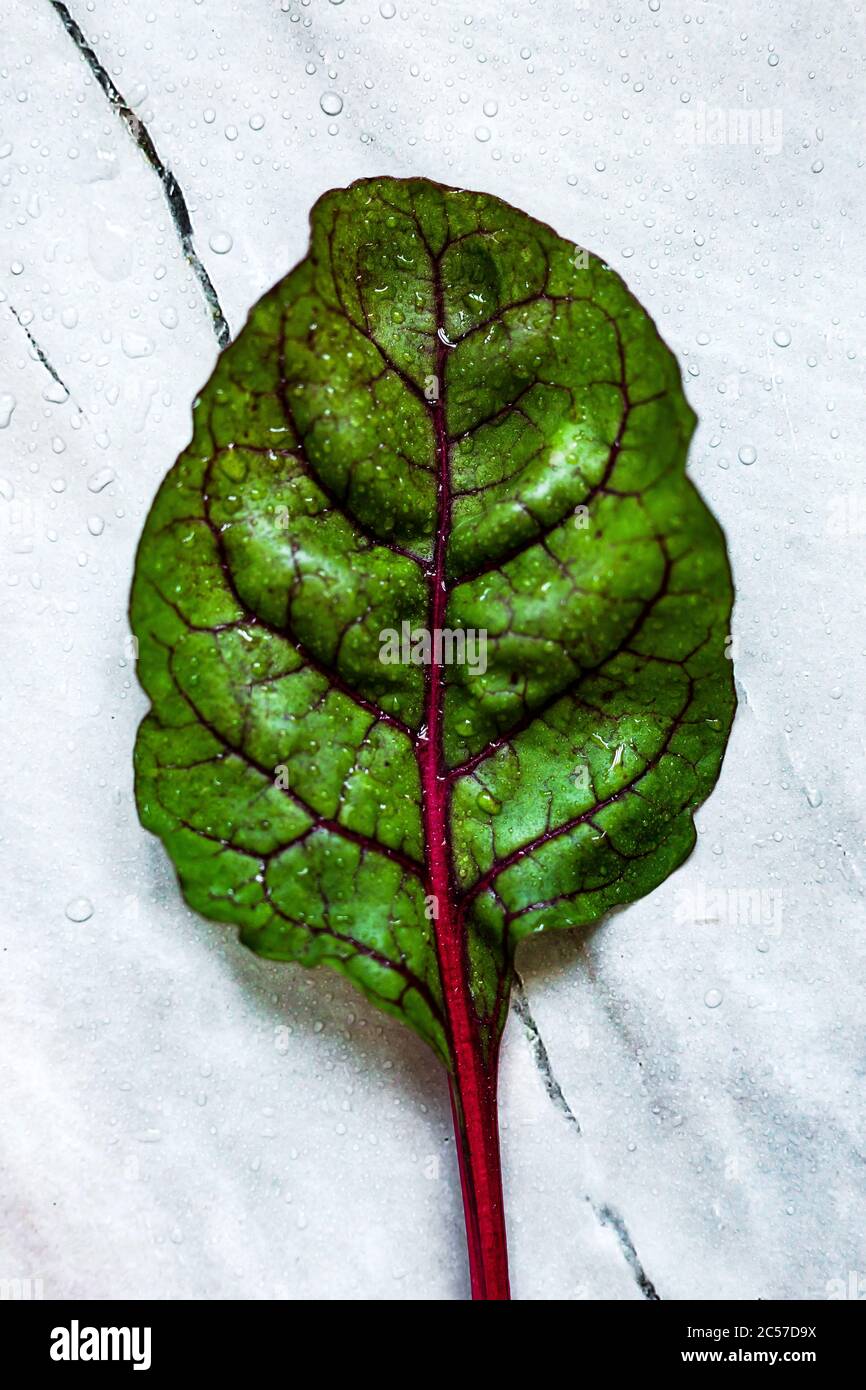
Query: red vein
x=474, y=1077
x=366, y=843
x=548, y=836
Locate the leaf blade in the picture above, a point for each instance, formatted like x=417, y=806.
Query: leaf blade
x=302, y=522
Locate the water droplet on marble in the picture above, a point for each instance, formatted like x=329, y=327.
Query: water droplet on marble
x=110, y=246
x=149, y=1136
x=99, y=480
x=136, y=345
x=79, y=910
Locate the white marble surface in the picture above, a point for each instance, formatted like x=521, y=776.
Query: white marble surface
x=183, y=1120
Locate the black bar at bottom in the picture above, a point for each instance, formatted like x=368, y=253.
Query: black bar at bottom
x=160, y=1339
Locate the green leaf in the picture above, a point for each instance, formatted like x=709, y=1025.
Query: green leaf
x=445, y=419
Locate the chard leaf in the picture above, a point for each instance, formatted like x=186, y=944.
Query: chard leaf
x=432, y=623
